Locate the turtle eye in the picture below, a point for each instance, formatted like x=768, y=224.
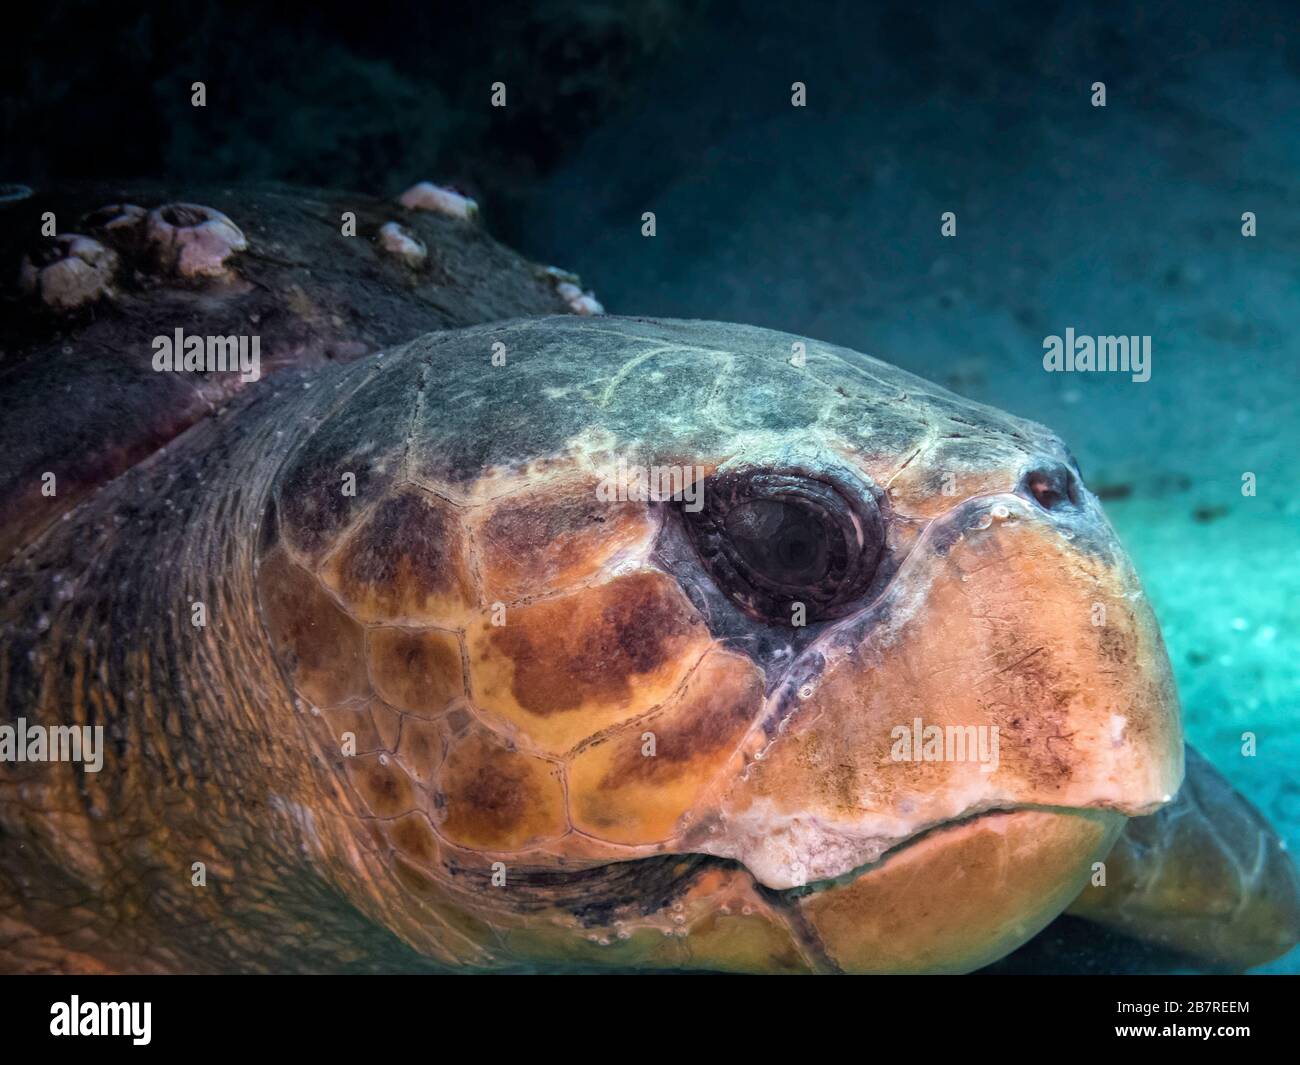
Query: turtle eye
x=774, y=538
x=785, y=543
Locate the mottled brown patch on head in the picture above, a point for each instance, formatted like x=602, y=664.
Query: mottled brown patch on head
x=494, y=798
x=316, y=503
x=374, y=833
x=382, y=784
x=1117, y=645
x=564, y=668
x=553, y=537
x=407, y=562
x=413, y=836
x=622, y=792
x=320, y=646
x=348, y=461
x=419, y=672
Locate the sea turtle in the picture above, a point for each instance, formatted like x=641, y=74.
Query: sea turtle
x=603, y=643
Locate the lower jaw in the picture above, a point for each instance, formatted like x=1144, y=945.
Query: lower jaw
x=953, y=899
x=960, y=896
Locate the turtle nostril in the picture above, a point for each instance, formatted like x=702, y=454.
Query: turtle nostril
x=1052, y=486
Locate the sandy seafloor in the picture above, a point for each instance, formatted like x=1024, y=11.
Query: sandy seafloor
x=824, y=221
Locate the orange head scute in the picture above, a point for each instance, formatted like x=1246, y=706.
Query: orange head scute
x=412, y=835
x=418, y=671
x=316, y=640
x=547, y=539
x=406, y=562
x=421, y=748
x=497, y=798
x=562, y=669
x=363, y=727
x=382, y=784
x=633, y=785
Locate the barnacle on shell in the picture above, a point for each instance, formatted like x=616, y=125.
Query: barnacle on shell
x=426, y=196
x=399, y=242
x=192, y=241
x=70, y=272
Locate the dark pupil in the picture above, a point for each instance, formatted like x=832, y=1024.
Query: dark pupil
x=781, y=541
x=794, y=551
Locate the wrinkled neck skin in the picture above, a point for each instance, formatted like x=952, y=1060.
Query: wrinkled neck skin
x=205, y=756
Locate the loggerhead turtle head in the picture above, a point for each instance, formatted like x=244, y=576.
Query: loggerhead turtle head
x=644, y=642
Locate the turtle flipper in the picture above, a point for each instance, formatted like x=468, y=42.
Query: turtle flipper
x=1206, y=875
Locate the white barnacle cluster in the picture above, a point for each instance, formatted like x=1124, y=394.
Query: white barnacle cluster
x=179, y=240
x=426, y=196
x=569, y=288
x=72, y=271
x=191, y=240
x=401, y=243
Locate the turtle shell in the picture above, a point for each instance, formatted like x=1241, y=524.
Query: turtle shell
x=305, y=271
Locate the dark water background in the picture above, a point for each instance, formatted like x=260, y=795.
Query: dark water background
x=824, y=220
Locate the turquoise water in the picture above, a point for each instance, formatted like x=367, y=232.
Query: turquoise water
x=1118, y=220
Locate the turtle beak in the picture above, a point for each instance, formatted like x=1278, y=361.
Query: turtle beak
x=1012, y=665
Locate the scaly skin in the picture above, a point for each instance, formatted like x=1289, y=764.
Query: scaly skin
x=201, y=764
